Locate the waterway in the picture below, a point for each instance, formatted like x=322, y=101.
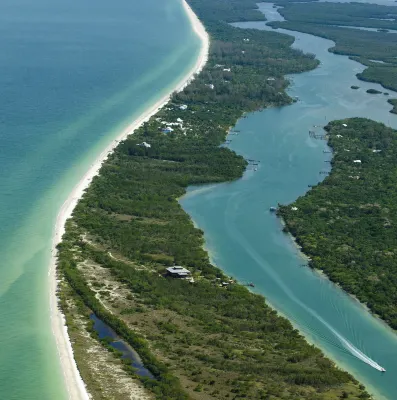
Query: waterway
x=72, y=76
x=246, y=240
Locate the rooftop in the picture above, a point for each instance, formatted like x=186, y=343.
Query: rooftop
x=177, y=270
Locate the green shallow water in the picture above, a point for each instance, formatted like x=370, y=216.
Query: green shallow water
x=72, y=75
x=246, y=240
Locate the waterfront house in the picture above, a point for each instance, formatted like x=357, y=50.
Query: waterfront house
x=178, y=272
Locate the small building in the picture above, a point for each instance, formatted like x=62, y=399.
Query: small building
x=183, y=107
x=178, y=272
x=357, y=161
x=144, y=144
x=167, y=130
x=344, y=125
x=226, y=69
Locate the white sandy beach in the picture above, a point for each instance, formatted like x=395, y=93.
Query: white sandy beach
x=74, y=384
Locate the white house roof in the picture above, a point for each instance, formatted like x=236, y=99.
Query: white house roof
x=145, y=144
x=178, y=270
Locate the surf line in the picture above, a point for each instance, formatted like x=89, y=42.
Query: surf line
x=344, y=342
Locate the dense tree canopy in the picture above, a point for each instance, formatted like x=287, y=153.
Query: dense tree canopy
x=347, y=224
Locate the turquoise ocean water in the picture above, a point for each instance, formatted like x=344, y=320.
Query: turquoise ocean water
x=72, y=75
x=246, y=240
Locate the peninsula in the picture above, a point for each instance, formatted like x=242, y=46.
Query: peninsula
x=73, y=380
x=206, y=336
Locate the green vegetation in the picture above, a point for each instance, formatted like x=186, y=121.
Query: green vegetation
x=200, y=340
x=373, y=91
x=347, y=224
x=355, y=87
x=393, y=102
x=331, y=21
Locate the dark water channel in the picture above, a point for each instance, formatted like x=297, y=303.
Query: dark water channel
x=104, y=331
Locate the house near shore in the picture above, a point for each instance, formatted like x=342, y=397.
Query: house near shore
x=145, y=144
x=178, y=272
x=167, y=130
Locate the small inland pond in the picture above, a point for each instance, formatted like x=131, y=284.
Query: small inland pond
x=246, y=240
x=105, y=332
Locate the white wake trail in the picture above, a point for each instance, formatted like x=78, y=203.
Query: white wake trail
x=259, y=260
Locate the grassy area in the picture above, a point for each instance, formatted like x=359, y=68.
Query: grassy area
x=347, y=223
x=115, y=382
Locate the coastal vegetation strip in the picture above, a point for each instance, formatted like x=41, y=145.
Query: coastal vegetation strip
x=393, y=102
x=339, y=22
x=206, y=337
x=347, y=224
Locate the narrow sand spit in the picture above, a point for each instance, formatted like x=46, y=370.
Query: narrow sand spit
x=74, y=384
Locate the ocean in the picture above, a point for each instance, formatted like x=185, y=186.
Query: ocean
x=72, y=76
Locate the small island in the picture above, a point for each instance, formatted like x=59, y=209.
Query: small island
x=393, y=102
x=373, y=91
x=355, y=87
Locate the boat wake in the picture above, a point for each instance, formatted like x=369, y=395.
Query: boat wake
x=341, y=342
x=358, y=353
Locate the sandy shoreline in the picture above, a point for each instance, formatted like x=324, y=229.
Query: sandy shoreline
x=73, y=381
